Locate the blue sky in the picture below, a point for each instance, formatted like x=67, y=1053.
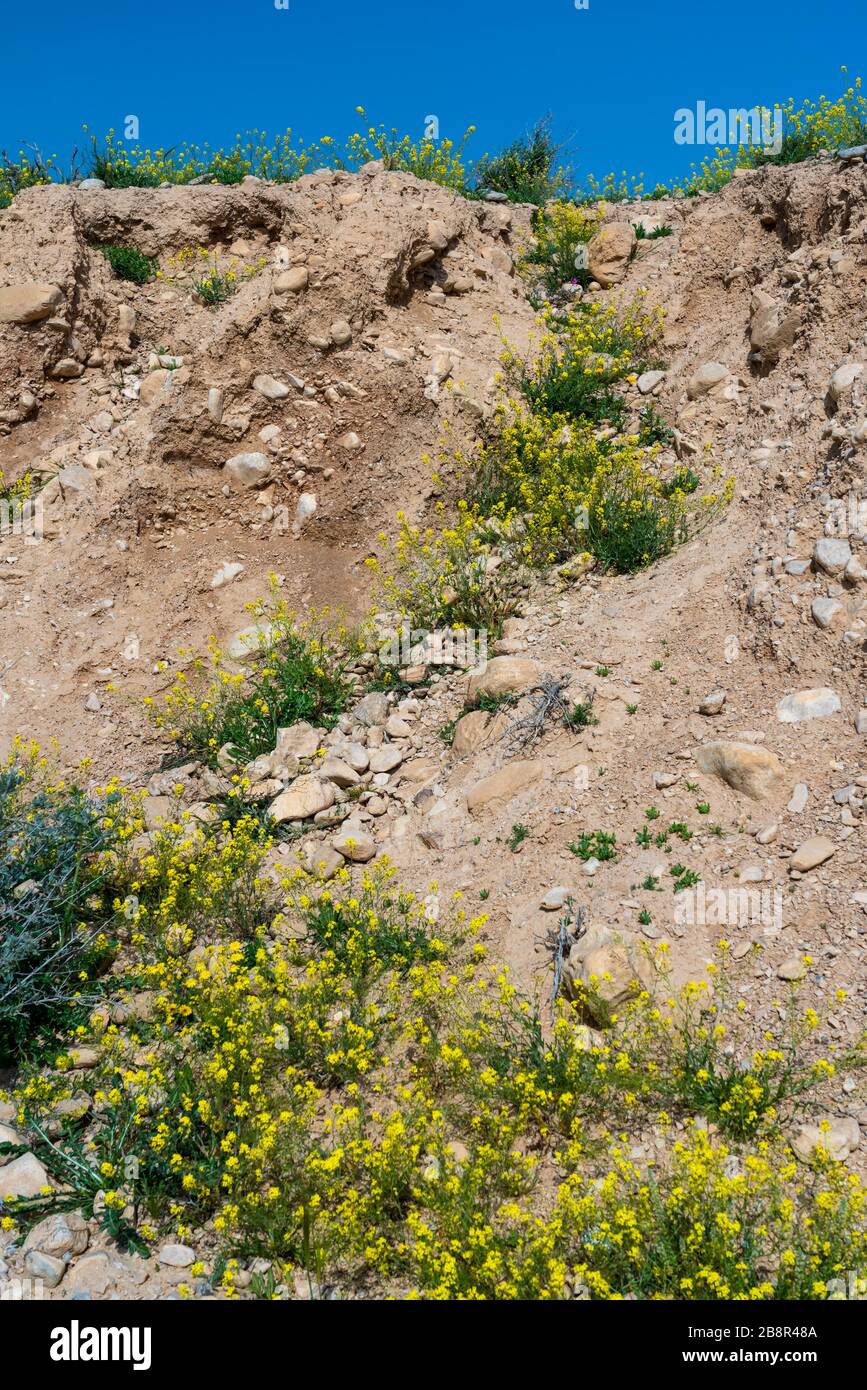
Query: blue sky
x=611, y=76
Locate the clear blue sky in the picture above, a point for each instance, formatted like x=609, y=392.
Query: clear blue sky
x=611, y=76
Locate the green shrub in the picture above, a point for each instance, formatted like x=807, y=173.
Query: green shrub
x=526, y=171
x=580, y=716
x=653, y=428
x=55, y=900
x=643, y=234
x=298, y=671
x=601, y=845
x=25, y=172
x=129, y=264
x=581, y=357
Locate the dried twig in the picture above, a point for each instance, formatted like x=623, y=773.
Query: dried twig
x=560, y=941
x=547, y=698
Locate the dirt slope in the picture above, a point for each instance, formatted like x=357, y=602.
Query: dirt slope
x=766, y=279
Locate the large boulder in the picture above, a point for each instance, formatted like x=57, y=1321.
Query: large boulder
x=610, y=251
x=476, y=729
x=30, y=302
x=247, y=470
x=604, y=972
x=306, y=797
x=502, y=786
x=502, y=675
x=745, y=767
x=23, y=1177
x=819, y=703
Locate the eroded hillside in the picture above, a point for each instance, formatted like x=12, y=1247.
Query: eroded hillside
x=725, y=743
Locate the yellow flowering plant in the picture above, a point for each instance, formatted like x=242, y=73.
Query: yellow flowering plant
x=294, y=668
x=447, y=577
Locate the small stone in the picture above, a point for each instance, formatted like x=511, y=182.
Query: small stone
x=502, y=675
x=270, y=388
x=155, y=386
x=800, y=797
x=709, y=375
x=501, y=787
x=249, y=640
x=177, y=1256
x=305, y=510
x=215, y=404
x=25, y=1176
x=662, y=780
x=63, y=1234
x=792, y=969
x=385, y=759
x=754, y=771
x=751, y=873
x=812, y=853
x=355, y=844
x=827, y=613
x=609, y=252
x=322, y=861
x=340, y=333
x=356, y=755
x=397, y=728
x=843, y=380
x=307, y=796
x=713, y=703
x=818, y=703
x=838, y=1138
x=554, y=899
x=44, y=1267
x=226, y=573
x=67, y=369
x=831, y=555
x=648, y=381
x=475, y=730
x=615, y=972
x=372, y=709
x=94, y=1274
x=247, y=470
x=292, y=281
x=339, y=773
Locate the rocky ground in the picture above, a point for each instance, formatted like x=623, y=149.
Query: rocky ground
x=280, y=434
